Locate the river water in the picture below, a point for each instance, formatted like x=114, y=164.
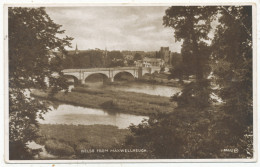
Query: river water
x=69, y=114
x=151, y=89
x=75, y=115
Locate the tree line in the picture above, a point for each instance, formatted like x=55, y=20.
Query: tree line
x=98, y=59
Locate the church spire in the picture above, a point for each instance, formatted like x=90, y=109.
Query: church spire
x=76, y=50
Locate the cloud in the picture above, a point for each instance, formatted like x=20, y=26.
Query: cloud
x=115, y=27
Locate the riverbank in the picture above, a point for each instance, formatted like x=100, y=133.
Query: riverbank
x=112, y=101
x=159, y=79
x=75, y=141
x=159, y=82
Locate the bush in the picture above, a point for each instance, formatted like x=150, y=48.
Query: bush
x=58, y=148
x=110, y=104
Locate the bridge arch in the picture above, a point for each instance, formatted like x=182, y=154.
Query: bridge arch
x=146, y=70
x=127, y=74
x=146, y=74
x=125, y=71
x=71, y=79
x=99, y=77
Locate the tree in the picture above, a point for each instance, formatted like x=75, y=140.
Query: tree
x=130, y=63
x=176, y=59
x=117, y=63
x=177, y=72
x=84, y=59
x=158, y=55
x=33, y=57
x=137, y=56
x=233, y=74
x=115, y=58
x=191, y=24
x=96, y=58
x=180, y=134
x=195, y=129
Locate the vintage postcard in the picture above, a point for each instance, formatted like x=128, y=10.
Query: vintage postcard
x=130, y=82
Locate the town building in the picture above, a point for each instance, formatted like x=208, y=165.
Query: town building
x=149, y=62
x=153, y=62
x=138, y=63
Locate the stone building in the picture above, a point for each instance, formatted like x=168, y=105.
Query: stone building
x=153, y=62
x=149, y=62
x=165, y=54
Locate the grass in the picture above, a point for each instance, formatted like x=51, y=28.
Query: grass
x=159, y=79
x=76, y=141
x=68, y=140
x=113, y=101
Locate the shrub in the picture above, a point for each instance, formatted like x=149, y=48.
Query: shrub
x=58, y=148
x=108, y=104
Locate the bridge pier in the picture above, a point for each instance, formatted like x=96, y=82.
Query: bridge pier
x=82, y=81
x=112, y=79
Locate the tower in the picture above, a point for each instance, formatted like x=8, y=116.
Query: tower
x=165, y=54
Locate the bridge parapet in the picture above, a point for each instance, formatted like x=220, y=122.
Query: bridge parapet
x=100, y=69
x=82, y=74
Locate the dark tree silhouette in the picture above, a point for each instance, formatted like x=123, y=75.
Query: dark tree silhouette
x=137, y=56
x=193, y=129
x=33, y=48
x=191, y=24
x=232, y=69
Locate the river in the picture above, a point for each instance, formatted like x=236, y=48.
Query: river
x=151, y=89
x=75, y=115
x=139, y=87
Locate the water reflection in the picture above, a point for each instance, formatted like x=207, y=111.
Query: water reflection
x=69, y=114
x=150, y=89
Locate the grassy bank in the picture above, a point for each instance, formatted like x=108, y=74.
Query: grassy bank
x=163, y=79
x=113, y=101
x=159, y=79
x=69, y=140
x=161, y=82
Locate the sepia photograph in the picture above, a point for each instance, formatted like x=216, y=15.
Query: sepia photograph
x=130, y=82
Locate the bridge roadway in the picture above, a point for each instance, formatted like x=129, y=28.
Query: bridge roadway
x=81, y=74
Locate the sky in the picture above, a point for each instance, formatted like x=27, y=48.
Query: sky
x=136, y=28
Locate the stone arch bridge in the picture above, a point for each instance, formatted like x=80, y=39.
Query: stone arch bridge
x=110, y=73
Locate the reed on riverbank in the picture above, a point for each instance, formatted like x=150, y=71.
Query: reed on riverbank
x=113, y=101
